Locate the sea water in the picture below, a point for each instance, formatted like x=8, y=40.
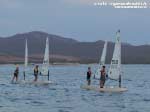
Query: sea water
x=67, y=96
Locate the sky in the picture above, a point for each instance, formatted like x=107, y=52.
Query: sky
x=77, y=19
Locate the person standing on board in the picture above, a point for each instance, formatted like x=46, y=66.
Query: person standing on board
x=103, y=77
x=36, y=71
x=16, y=72
x=89, y=73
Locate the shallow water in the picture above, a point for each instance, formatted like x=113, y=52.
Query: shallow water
x=66, y=95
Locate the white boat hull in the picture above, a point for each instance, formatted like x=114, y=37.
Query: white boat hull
x=105, y=89
x=33, y=82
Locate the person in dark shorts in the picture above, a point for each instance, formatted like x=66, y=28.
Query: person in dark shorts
x=16, y=73
x=36, y=71
x=103, y=77
x=89, y=73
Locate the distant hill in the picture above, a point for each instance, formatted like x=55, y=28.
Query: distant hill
x=66, y=50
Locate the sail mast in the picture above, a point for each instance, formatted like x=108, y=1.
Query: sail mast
x=118, y=35
x=45, y=65
x=46, y=56
x=26, y=58
x=115, y=67
x=103, y=57
x=102, y=61
x=26, y=54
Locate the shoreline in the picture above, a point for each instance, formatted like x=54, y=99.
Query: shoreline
x=69, y=64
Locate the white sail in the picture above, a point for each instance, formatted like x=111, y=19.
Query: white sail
x=115, y=67
x=102, y=61
x=45, y=65
x=26, y=55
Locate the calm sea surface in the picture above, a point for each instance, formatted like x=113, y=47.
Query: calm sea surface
x=67, y=96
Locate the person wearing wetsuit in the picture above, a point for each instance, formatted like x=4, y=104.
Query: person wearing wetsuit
x=36, y=71
x=16, y=72
x=89, y=73
x=103, y=77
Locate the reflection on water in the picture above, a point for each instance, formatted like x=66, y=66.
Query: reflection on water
x=66, y=95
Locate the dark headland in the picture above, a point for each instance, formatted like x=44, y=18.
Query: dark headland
x=66, y=50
